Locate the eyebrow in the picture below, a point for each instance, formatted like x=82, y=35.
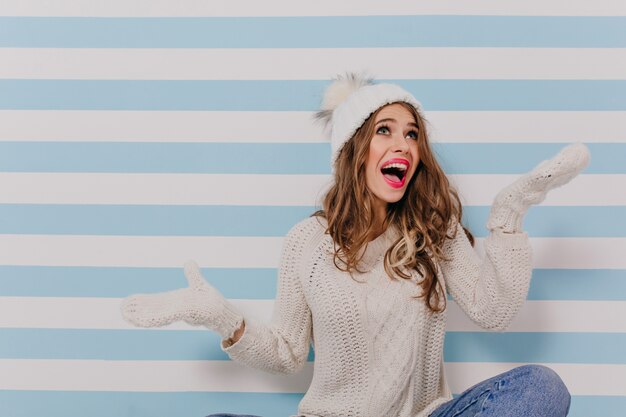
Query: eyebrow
x=395, y=121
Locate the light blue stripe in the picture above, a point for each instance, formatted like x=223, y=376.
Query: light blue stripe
x=137, y=344
x=168, y=404
x=313, y=32
x=557, y=221
x=519, y=158
x=151, y=220
x=145, y=220
x=248, y=95
x=274, y=158
x=601, y=348
x=209, y=158
x=591, y=405
x=59, y=281
x=144, y=404
x=606, y=348
x=578, y=284
x=260, y=284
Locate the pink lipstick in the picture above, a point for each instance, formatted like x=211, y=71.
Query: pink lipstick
x=397, y=169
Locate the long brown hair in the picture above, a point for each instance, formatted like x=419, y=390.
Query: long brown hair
x=423, y=215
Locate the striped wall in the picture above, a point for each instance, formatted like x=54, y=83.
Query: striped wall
x=137, y=135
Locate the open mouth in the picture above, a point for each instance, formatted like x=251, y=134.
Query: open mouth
x=395, y=171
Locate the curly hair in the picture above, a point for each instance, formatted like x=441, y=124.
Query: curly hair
x=423, y=215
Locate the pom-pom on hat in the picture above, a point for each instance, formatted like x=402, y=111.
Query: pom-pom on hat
x=349, y=100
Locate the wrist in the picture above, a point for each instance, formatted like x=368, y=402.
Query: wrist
x=506, y=219
x=236, y=336
x=226, y=320
x=239, y=332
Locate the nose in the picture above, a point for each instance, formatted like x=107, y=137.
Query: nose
x=400, y=144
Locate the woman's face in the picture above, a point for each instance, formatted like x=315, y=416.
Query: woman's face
x=393, y=156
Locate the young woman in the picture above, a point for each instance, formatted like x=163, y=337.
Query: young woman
x=365, y=279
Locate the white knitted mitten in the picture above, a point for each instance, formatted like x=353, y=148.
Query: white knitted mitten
x=200, y=304
x=511, y=204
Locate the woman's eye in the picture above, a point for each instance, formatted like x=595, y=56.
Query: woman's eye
x=383, y=130
x=412, y=134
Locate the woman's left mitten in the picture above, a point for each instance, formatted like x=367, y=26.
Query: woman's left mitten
x=511, y=204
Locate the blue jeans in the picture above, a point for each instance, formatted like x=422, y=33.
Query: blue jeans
x=525, y=391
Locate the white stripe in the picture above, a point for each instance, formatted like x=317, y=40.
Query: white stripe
x=171, y=251
x=159, y=126
x=252, y=252
x=318, y=8
x=95, y=313
x=228, y=376
x=148, y=376
x=299, y=127
x=104, y=313
x=313, y=63
x=528, y=127
x=179, y=189
x=263, y=190
x=578, y=253
x=584, y=190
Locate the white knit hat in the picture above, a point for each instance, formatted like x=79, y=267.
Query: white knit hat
x=350, y=100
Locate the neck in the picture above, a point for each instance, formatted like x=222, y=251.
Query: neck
x=380, y=213
x=375, y=232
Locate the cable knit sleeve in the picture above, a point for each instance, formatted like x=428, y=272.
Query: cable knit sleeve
x=492, y=290
x=282, y=346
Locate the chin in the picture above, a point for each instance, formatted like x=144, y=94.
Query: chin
x=391, y=197
x=394, y=200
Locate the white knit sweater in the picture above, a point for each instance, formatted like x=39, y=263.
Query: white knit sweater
x=378, y=351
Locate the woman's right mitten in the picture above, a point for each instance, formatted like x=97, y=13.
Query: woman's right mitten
x=200, y=304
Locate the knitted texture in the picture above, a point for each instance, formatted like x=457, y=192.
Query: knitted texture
x=200, y=304
x=510, y=205
x=378, y=350
x=349, y=100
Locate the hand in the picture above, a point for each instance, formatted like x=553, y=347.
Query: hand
x=511, y=204
x=199, y=304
